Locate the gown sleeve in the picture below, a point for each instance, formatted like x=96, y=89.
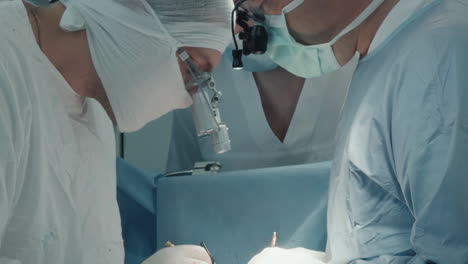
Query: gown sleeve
x=12, y=153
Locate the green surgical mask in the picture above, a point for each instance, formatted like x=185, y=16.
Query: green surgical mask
x=301, y=60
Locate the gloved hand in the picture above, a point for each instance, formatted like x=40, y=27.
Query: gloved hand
x=275, y=255
x=184, y=254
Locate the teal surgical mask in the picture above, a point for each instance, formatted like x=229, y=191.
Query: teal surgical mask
x=301, y=60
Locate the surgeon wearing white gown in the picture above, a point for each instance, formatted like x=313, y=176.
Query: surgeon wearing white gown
x=274, y=117
x=399, y=178
x=65, y=71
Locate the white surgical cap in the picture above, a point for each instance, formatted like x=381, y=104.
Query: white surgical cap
x=134, y=53
x=192, y=23
x=196, y=23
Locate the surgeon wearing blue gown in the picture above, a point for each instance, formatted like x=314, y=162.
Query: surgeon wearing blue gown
x=399, y=182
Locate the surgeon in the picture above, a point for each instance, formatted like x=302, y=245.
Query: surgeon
x=399, y=178
x=275, y=118
x=66, y=71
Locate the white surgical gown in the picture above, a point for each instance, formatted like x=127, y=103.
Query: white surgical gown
x=57, y=160
x=399, y=183
x=310, y=136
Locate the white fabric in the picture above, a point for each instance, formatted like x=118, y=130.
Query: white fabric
x=196, y=23
x=134, y=57
x=184, y=254
x=57, y=160
x=310, y=137
x=134, y=53
x=276, y=255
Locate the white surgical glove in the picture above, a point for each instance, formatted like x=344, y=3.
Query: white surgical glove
x=275, y=255
x=184, y=254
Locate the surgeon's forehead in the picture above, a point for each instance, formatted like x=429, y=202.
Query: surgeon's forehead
x=271, y=7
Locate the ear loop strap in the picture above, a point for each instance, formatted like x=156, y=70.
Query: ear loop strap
x=358, y=21
x=291, y=6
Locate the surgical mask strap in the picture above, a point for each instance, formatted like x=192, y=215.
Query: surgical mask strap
x=358, y=21
x=291, y=6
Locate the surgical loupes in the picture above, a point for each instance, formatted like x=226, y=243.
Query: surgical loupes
x=205, y=108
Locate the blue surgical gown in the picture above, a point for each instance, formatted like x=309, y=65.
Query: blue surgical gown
x=399, y=183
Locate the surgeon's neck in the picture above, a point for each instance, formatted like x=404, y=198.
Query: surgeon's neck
x=361, y=38
x=68, y=52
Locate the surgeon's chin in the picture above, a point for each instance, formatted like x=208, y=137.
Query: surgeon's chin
x=111, y=115
x=205, y=58
x=101, y=96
